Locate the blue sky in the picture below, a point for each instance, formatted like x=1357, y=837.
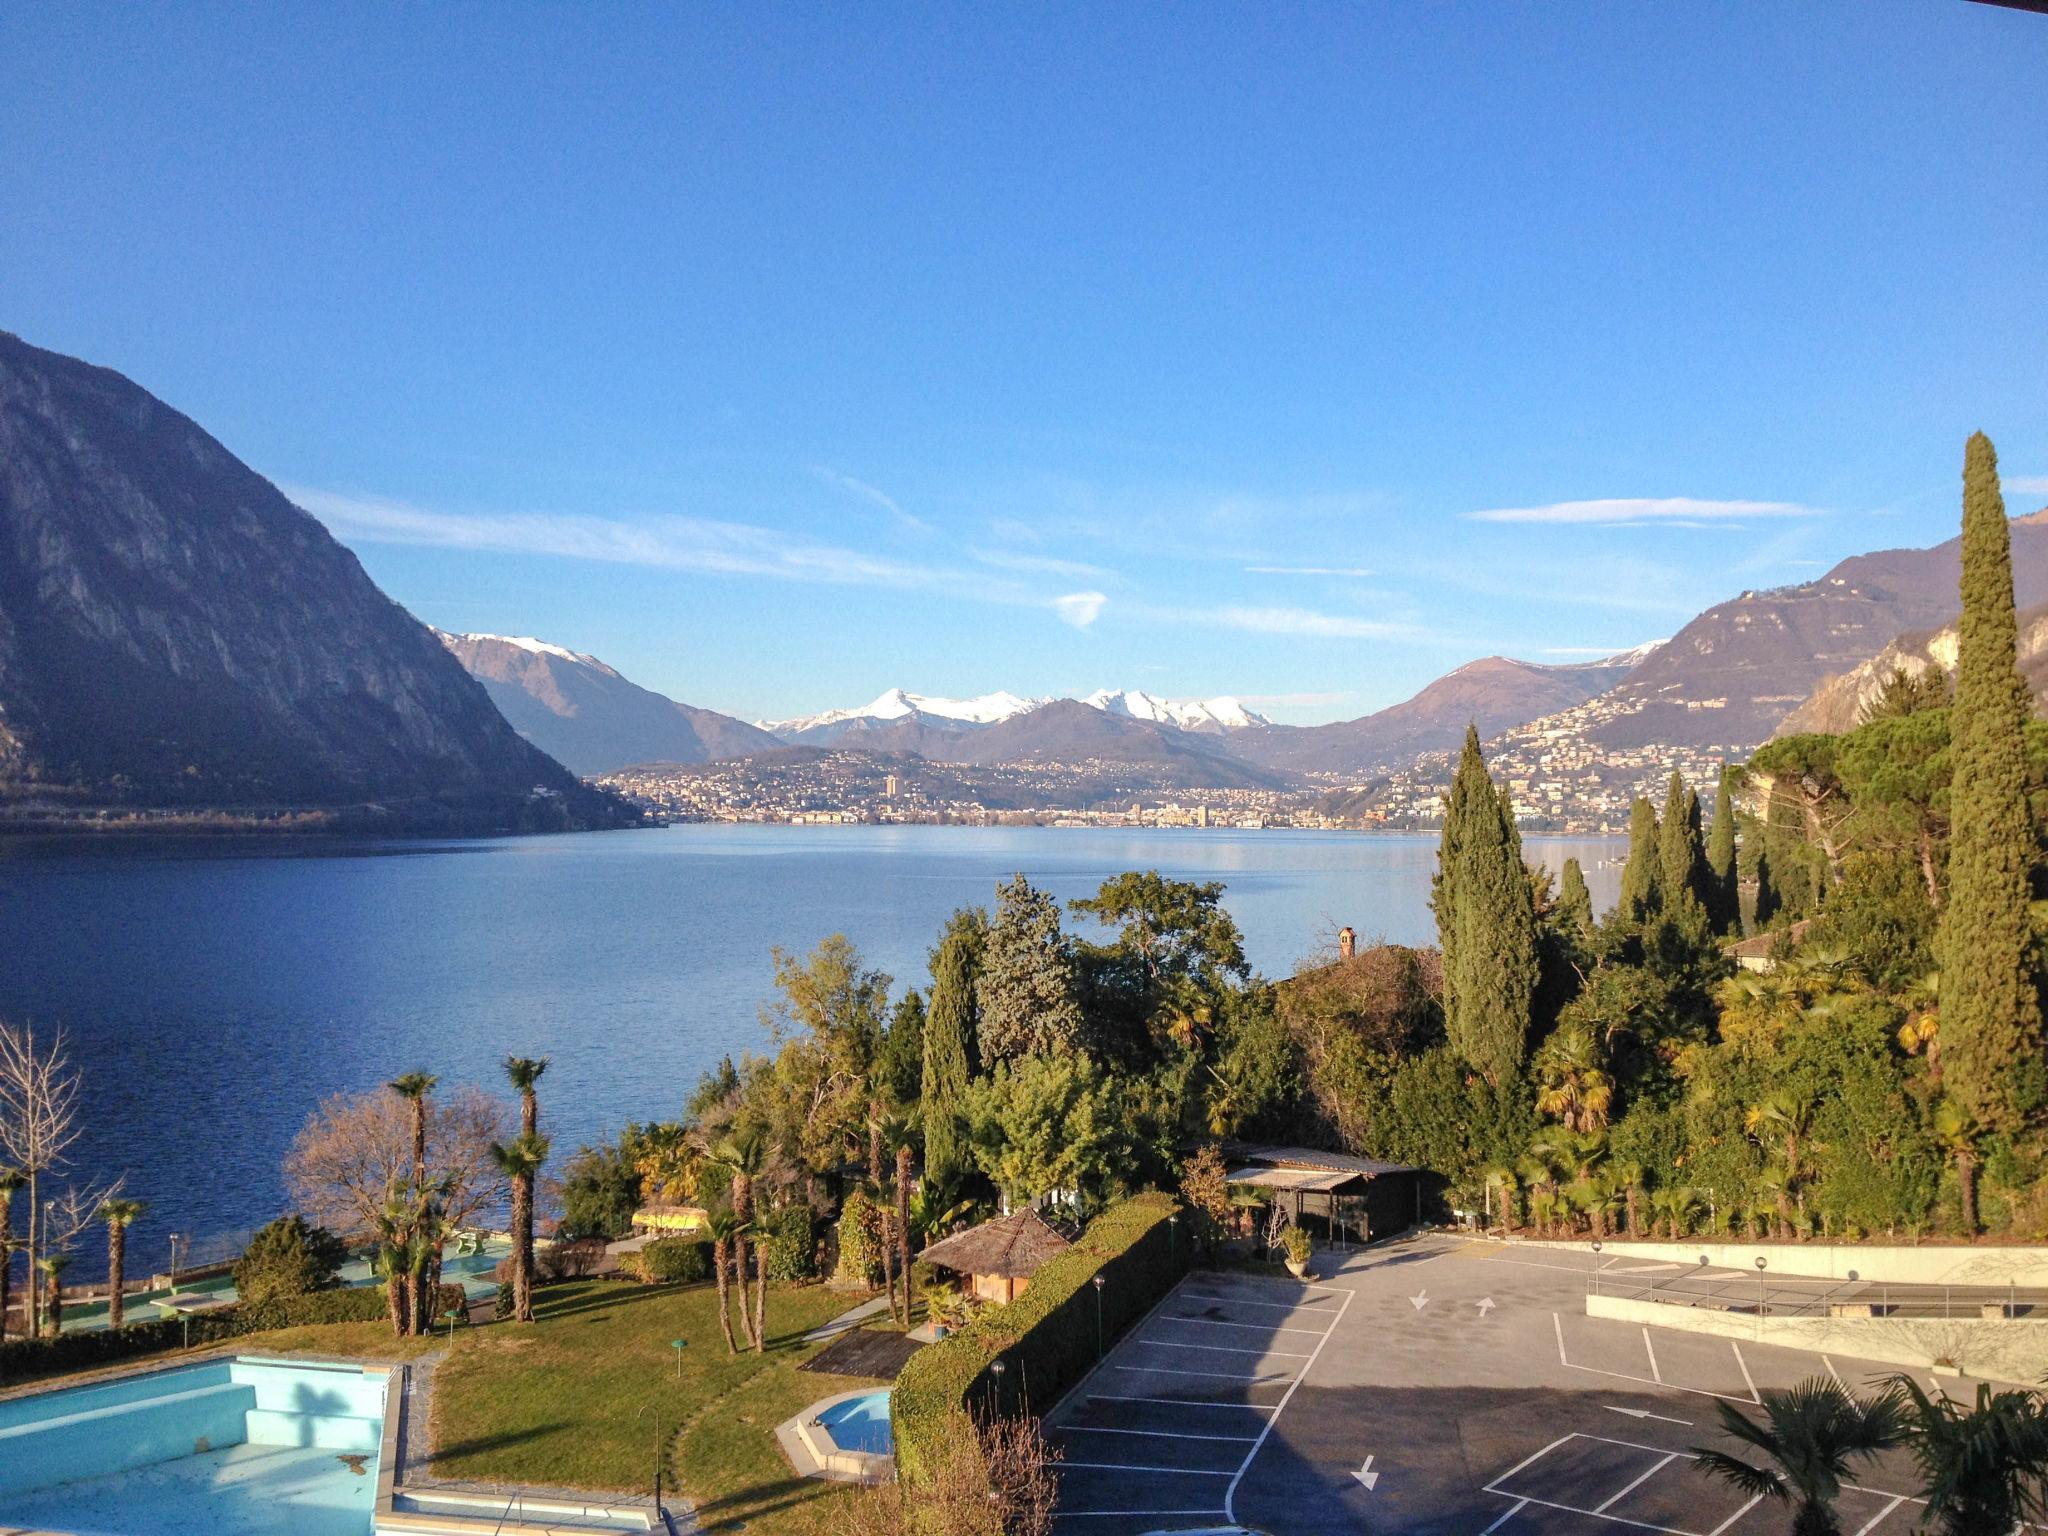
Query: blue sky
x=780, y=355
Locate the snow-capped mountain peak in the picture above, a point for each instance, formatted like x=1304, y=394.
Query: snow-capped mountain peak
x=528, y=644
x=900, y=704
x=1223, y=713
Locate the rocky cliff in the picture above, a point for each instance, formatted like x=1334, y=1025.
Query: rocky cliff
x=175, y=633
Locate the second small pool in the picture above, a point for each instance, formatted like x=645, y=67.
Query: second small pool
x=861, y=1424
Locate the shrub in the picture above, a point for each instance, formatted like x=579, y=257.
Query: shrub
x=791, y=1244
x=23, y=1358
x=289, y=1257
x=1046, y=1337
x=671, y=1261
x=568, y=1261
x=1296, y=1244
x=504, y=1306
x=859, y=1258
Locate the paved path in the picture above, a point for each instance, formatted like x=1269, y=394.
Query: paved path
x=846, y=1321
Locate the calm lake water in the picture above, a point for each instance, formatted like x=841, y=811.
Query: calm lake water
x=215, y=992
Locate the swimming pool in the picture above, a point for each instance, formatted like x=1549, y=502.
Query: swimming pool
x=236, y=1447
x=861, y=1423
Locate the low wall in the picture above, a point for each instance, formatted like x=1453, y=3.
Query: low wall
x=1990, y=1350
x=1930, y=1264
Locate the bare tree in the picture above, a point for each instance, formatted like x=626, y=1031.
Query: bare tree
x=40, y=1122
x=356, y=1148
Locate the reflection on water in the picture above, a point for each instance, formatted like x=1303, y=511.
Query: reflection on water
x=216, y=990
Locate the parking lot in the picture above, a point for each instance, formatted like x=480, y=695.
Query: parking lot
x=1427, y=1385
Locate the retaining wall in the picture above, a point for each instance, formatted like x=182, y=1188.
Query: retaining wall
x=1929, y=1264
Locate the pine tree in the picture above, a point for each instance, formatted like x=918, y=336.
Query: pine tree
x=1724, y=905
x=1471, y=788
x=1768, y=902
x=1642, y=877
x=1491, y=964
x=1681, y=850
x=1990, y=1011
x=1027, y=994
x=950, y=1060
x=1574, y=909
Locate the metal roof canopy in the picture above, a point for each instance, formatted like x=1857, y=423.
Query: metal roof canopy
x=1305, y=1181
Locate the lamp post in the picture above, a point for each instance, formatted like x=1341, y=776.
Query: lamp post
x=1761, y=1262
x=1173, y=1233
x=451, y=1317
x=1098, y=1319
x=995, y=1388
x=1593, y=1274
x=679, y=1345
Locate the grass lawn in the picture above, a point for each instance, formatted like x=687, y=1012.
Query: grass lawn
x=580, y=1398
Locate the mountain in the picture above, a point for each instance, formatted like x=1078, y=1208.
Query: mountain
x=1069, y=732
x=1494, y=693
x=1731, y=675
x=586, y=716
x=1838, y=703
x=1212, y=716
x=175, y=633
x=896, y=705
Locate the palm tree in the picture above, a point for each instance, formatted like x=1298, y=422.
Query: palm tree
x=1957, y=1133
x=759, y=1327
x=414, y=1088
x=118, y=1214
x=1502, y=1177
x=1677, y=1206
x=525, y=1074
x=520, y=1162
x=744, y=1155
x=1572, y=1084
x=11, y=1179
x=903, y=1170
x=1808, y=1436
x=1982, y=1467
x=1788, y=1114
x=724, y=1227
x=1627, y=1176
x=52, y=1265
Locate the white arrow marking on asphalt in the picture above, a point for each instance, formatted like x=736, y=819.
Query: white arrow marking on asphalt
x=1367, y=1476
x=1485, y=1306
x=1420, y=1300
x=1644, y=1413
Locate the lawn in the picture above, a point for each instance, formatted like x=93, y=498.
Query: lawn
x=582, y=1398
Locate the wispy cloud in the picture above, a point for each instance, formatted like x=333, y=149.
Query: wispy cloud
x=873, y=495
x=2027, y=485
x=1040, y=565
x=1079, y=609
x=1305, y=621
x=1644, y=512
x=666, y=542
x=1306, y=570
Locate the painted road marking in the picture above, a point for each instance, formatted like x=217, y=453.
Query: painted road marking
x=1636, y=1482
x=1125, y=1466
x=1230, y=1494
x=1755, y=1500
x=1225, y=1349
x=1256, y=1379
x=1156, y=1434
x=1367, y=1476
x=1748, y=1379
x=1520, y=1505
x=1651, y=1350
x=1644, y=1413
x=1180, y=1402
x=1557, y=1322
x=1872, y=1523
x=1214, y=1322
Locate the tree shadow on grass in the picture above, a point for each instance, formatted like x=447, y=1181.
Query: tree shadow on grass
x=480, y=1444
x=596, y=1300
x=732, y=1511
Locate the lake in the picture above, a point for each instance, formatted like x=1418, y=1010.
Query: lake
x=216, y=991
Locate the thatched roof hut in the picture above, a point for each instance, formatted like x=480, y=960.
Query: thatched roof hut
x=671, y=1220
x=998, y=1258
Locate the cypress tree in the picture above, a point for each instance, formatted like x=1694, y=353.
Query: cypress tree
x=1574, y=907
x=1991, y=1044
x=1768, y=901
x=1491, y=965
x=949, y=1048
x=1724, y=905
x=1642, y=877
x=1681, y=850
x=1470, y=789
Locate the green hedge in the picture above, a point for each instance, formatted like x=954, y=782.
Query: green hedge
x=792, y=1244
x=1046, y=1338
x=671, y=1261
x=24, y=1358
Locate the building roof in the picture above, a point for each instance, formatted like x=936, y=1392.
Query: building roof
x=1307, y=1181
x=679, y=1218
x=1764, y=945
x=1014, y=1246
x=1310, y=1157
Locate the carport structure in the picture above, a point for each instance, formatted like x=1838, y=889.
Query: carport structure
x=1360, y=1198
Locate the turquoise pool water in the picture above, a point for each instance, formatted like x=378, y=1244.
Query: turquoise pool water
x=243, y=1447
x=861, y=1424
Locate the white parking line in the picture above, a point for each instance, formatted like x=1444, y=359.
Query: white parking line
x=1651, y=1350
x=1872, y=1523
x=1256, y=1379
x=1156, y=1434
x=1130, y=1514
x=1750, y=1380
x=1123, y=1466
x=1635, y=1482
x=1558, y=1323
x=1520, y=1505
x=1179, y=1402
x=1217, y=1322
x=1230, y=1495
x=1824, y=1360
x=1275, y=1306
x=1755, y=1500
x=1225, y=1349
